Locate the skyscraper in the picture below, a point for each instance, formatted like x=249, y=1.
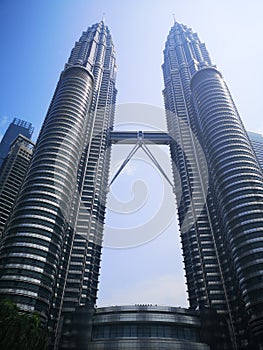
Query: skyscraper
x=12, y=175
x=15, y=128
x=220, y=205
x=257, y=144
x=50, y=253
x=51, y=249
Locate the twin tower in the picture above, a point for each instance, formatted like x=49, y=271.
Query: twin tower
x=51, y=248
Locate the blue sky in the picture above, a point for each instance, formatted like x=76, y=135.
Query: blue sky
x=36, y=39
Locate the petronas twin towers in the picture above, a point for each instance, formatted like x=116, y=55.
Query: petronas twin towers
x=51, y=248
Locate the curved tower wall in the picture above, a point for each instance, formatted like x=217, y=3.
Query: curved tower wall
x=50, y=255
x=32, y=245
x=95, y=49
x=237, y=181
x=184, y=55
x=222, y=241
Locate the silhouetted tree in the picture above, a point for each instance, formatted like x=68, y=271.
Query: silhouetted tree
x=20, y=330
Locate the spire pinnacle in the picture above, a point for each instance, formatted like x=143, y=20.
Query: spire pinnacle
x=174, y=18
x=103, y=17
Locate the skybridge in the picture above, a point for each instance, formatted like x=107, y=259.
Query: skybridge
x=147, y=137
x=141, y=140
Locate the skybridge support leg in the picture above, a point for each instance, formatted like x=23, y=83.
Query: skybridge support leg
x=125, y=162
x=141, y=144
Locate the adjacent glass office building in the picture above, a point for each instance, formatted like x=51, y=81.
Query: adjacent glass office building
x=12, y=174
x=256, y=140
x=223, y=240
x=18, y=126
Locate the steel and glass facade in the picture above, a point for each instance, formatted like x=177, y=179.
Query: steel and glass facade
x=146, y=327
x=18, y=126
x=12, y=174
x=51, y=247
x=257, y=144
x=50, y=255
x=184, y=54
x=223, y=242
x=140, y=327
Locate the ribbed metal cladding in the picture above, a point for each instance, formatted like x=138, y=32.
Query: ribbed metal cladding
x=184, y=54
x=95, y=50
x=210, y=257
x=237, y=183
x=77, y=281
x=32, y=244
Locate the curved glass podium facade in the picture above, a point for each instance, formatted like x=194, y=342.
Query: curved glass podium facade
x=137, y=327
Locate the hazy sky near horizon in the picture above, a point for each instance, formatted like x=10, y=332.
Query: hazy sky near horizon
x=36, y=39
